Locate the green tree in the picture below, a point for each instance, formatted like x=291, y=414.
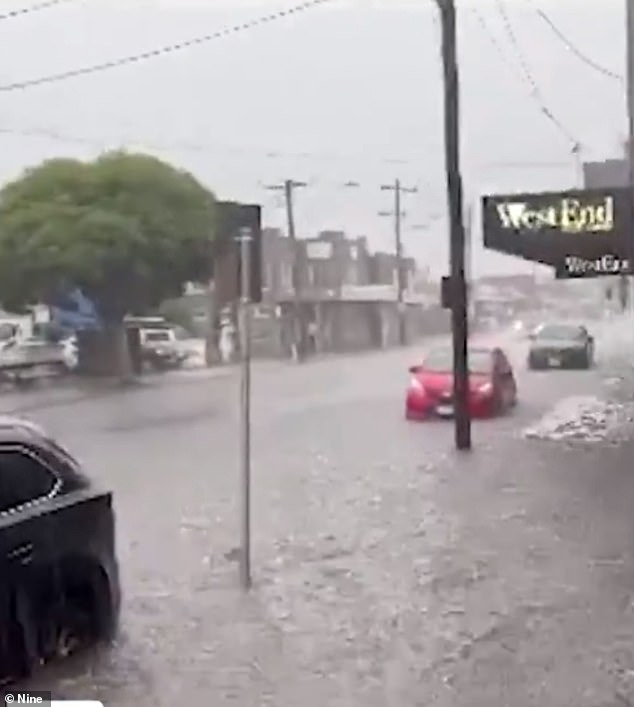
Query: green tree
x=127, y=229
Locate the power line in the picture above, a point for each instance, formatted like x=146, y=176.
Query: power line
x=162, y=51
x=530, y=79
x=576, y=51
x=105, y=143
x=534, y=91
x=20, y=12
x=496, y=45
x=267, y=153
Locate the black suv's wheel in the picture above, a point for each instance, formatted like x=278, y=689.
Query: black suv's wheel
x=22, y=638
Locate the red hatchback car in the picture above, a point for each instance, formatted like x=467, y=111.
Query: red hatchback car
x=493, y=390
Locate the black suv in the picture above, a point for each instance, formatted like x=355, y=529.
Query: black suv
x=59, y=577
x=561, y=346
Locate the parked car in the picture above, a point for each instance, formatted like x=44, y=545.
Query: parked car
x=160, y=350
x=25, y=359
x=59, y=577
x=561, y=346
x=430, y=394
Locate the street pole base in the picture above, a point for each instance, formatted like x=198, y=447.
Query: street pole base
x=463, y=432
x=245, y=579
x=463, y=442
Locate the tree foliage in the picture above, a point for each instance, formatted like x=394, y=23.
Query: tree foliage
x=127, y=229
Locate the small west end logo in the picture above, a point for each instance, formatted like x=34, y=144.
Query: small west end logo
x=608, y=264
x=569, y=215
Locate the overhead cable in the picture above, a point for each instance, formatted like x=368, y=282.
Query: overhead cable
x=532, y=83
x=576, y=51
x=161, y=51
x=30, y=9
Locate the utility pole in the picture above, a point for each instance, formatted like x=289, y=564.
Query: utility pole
x=459, y=308
x=398, y=189
x=298, y=320
x=469, y=258
x=246, y=236
x=630, y=130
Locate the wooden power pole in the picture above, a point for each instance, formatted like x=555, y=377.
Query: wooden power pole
x=298, y=323
x=398, y=190
x=458, y=284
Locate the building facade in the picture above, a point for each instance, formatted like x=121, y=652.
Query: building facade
x=326, y=264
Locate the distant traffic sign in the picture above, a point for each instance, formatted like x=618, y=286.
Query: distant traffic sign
x=233, y=219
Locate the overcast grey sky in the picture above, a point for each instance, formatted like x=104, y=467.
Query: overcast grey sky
x=347, y=91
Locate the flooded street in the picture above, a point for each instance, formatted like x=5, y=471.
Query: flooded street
x=314, y=185
x=368, y=586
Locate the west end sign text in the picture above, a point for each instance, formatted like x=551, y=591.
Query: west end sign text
x=609, y=264
x=568, y=215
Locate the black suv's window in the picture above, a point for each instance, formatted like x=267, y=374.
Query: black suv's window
x=23, y=478
x=557, y=331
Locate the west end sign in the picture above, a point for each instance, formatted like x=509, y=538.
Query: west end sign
x=569, y=215
x=575, y=267
x=581, y=233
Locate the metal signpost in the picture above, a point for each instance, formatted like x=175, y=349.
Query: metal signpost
x=245, y=238
x=238, y=269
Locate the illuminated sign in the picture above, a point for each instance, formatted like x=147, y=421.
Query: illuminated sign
x=548, y=227
x=567, y=215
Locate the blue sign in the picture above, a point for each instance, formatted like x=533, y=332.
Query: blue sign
x=74, y=311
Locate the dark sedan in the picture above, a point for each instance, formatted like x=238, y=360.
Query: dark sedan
x=561, y=346
x=59, y=578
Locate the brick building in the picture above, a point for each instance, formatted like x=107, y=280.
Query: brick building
x=277, y=264
x=384, y=270
x=331, y=261
x=327, y=263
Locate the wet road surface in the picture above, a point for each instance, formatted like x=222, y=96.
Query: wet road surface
x=388, y=569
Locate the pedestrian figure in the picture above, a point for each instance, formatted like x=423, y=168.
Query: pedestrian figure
x=312, y=337
x=226, y=343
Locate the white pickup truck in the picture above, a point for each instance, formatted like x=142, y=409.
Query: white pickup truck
x=22, y=360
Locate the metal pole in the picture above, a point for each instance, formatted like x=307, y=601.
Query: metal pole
x=459, y=323
x=629, y=34
x=245, y=409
